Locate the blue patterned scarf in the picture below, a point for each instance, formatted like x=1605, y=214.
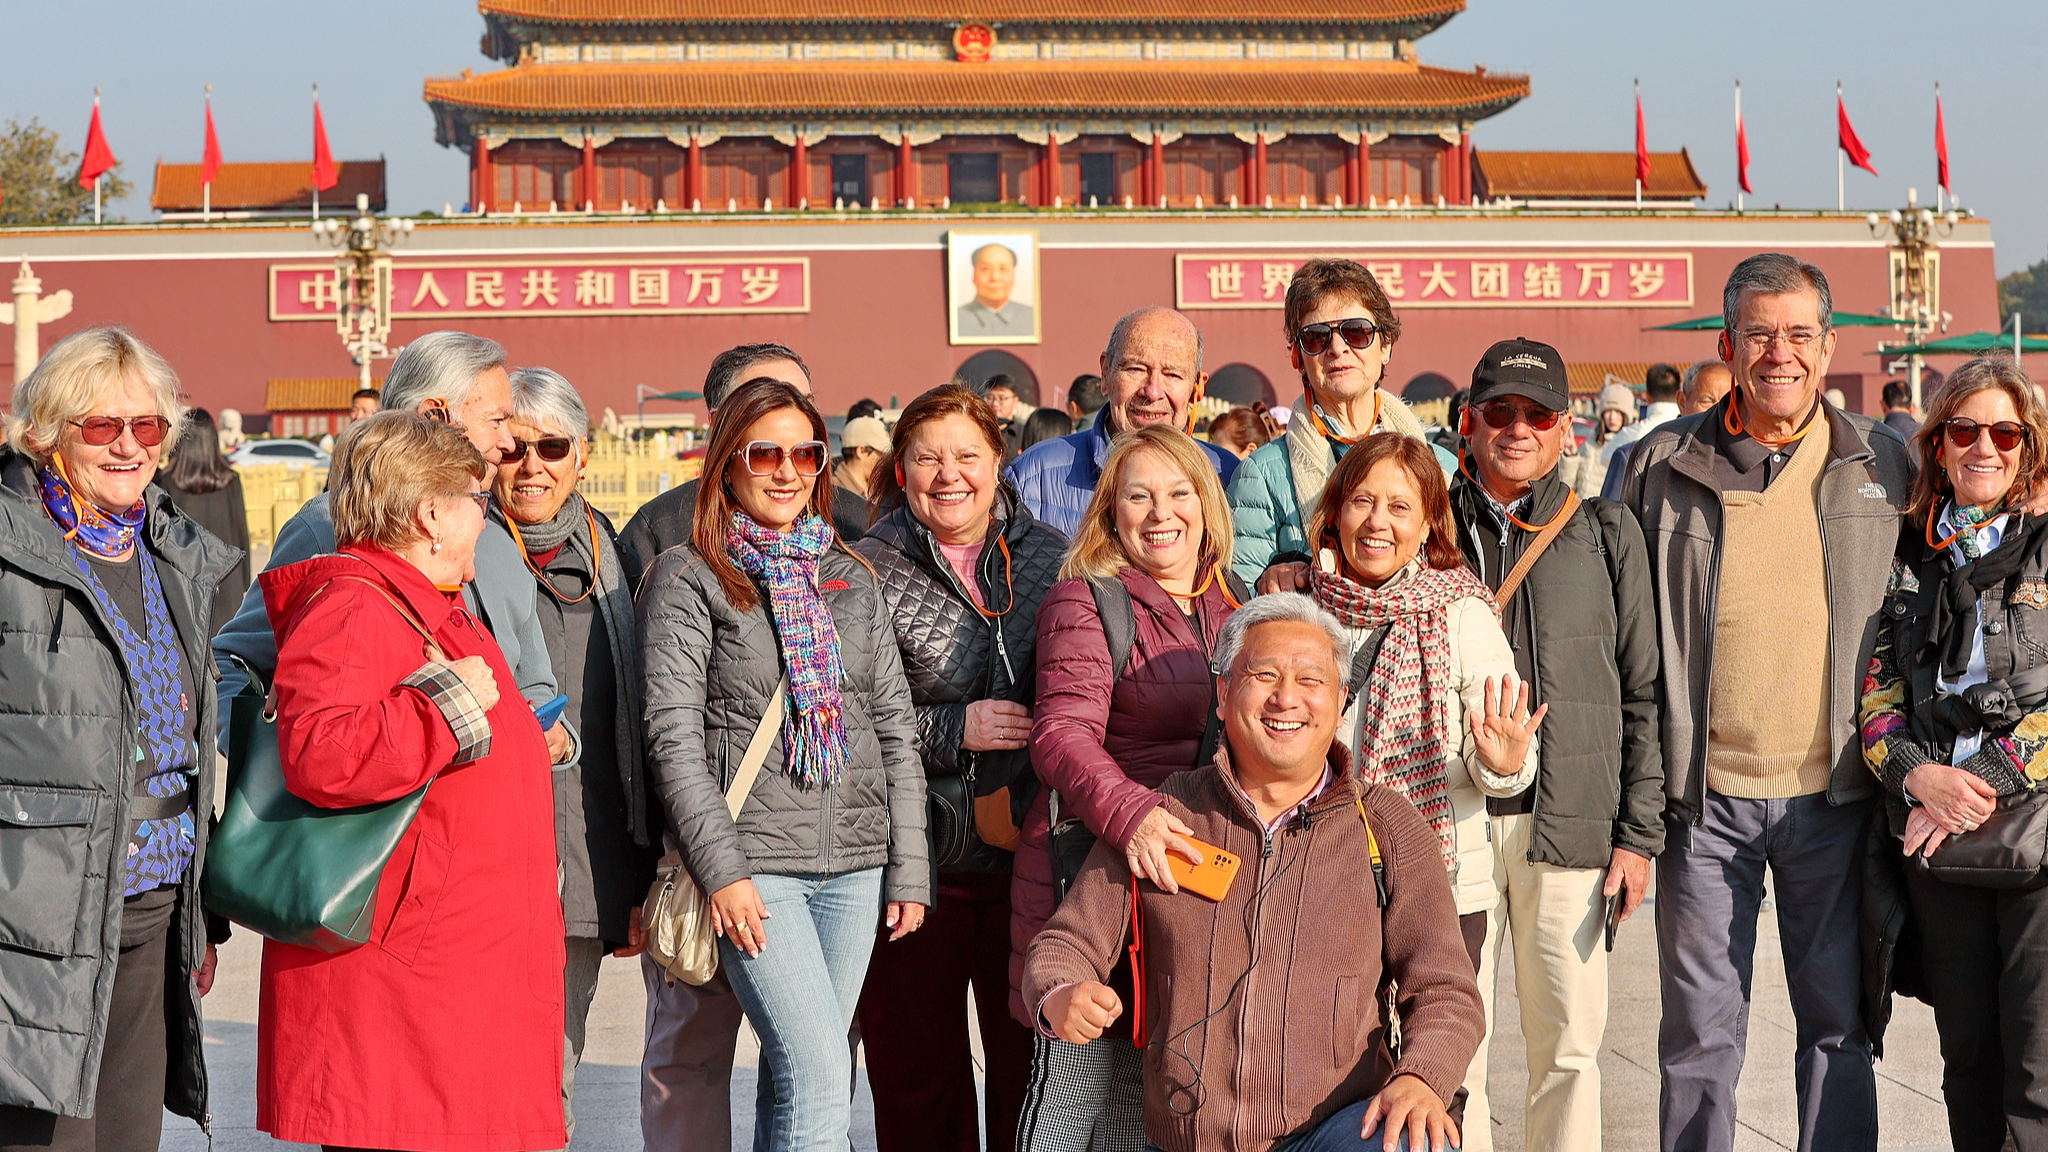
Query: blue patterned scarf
x=814, y=733
x=160, y=850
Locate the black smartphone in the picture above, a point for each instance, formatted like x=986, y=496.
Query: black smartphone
x=1614, y=915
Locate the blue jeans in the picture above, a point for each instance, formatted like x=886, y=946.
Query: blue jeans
x=800, y=994
x=1338, y=1134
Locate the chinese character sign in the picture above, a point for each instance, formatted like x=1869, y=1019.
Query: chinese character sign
x=1455, y=279
x=431, y=290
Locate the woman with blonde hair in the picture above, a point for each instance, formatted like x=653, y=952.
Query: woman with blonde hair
x=106, y=713
x=442, y=1033
x=1125, y=699
x=1955, y=727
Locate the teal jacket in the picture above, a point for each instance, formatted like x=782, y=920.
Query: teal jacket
x=1263, y=506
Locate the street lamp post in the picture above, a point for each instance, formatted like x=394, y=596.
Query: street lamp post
x=362, y=279
x=1914, y=287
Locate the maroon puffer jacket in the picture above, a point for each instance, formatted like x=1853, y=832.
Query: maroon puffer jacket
x=1104, y=747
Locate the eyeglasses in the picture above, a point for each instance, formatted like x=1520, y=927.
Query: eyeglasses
x=1314, y=339
x=1964, y=433
x=763, y=457
x=100, y=431
x=552, y=449
x=483, y=499
x=1502, y=414
x=1759, y=341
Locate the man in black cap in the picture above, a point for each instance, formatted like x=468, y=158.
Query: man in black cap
x=1579, y=616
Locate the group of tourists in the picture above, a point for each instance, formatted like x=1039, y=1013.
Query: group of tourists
x=1205, y=785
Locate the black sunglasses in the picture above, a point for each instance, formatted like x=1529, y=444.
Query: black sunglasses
x=100, y=431
x=552, y=449
x=1964, y=433
x=1503, y=413
x=1314, y=339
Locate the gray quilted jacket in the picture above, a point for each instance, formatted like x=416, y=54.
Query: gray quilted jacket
x=708, y=671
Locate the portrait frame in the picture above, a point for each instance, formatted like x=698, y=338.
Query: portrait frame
x=968, y=321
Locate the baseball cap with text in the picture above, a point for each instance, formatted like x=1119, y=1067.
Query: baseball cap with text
x=1522, y=367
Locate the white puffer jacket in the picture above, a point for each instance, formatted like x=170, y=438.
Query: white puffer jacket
x=1479, y=649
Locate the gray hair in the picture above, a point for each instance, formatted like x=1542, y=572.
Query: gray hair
x=1276, y=608
x=1122, y=332
x=545, y=399
x=439, y=366
x=78, y=373
x=1693, y=373
x=1774, y=274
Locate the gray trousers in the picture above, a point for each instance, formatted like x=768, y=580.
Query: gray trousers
x=686, y=1071
x=579, y=979
x=1710, y=889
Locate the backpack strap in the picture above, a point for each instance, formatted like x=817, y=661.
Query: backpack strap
x=1535, y=550
x=1119, y=621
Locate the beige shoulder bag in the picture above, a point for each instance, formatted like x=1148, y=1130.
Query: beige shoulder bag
x=678, y=915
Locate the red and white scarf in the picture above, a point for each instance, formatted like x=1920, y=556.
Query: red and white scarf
x=1404, y=736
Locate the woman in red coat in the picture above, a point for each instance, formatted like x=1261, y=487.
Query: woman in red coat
x=1158, y=527
x=444, y=1032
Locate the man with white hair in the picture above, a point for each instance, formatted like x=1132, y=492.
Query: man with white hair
x=1266, y=1020
x=460, y=379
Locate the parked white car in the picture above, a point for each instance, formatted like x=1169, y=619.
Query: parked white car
x=302, y=453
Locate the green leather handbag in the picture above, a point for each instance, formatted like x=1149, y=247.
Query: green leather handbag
x=287, y=869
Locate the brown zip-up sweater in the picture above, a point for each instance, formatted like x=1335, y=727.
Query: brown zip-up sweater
x=1262, y=1012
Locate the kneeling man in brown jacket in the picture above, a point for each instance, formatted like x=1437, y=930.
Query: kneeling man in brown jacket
x=1261, y=1017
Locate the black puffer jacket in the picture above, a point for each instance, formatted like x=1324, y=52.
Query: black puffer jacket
x=68, y=722
x=952, y=654
x=707, y=670
x=1583, y=627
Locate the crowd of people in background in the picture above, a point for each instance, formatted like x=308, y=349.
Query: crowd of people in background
x=1204, y=768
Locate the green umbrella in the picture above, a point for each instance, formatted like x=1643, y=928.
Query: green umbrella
x=1714, y=323
x=673, y=396
x=1974, y=344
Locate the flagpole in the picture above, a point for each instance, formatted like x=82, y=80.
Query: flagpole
x=95, y=180
x=1841, y=170
x=1738, y=133
x=206, y=186
x=1941, y=186
x=316, y=182
x=1639, y=127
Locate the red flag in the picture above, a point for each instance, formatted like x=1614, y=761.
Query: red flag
x=324, y=175
x=98, y=157
x=1741, y=144
x=209, y=162
x=1940, y=143
x=1845, y=138
x=1642, y=144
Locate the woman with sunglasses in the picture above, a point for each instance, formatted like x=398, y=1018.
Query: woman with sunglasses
x=830, y=842
x=584, y=585
x=1125, y=699
x=106, y=591
x=1955, y=726
x=963, y=568
x=1433, y=710
x=1340, y=332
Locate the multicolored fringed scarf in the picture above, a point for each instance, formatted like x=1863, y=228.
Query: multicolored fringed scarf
x=1404, y=731
x=814, y=734
x=160, y=850
x=94, y=528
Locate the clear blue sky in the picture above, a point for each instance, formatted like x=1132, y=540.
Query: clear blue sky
x=369, y=56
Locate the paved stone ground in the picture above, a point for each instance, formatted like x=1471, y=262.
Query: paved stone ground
x=1909, y=1080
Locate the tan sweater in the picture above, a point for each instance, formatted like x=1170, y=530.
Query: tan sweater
x=1767, y=728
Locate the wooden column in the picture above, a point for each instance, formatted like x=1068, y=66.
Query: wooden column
x=799, y=174
x=1464, y=169
x=1354, y=176
x=1052, y=170
x=1259, y=170
x=586, y=180
x=693, y=176
x=477, y=148
x=1158, y=173
x=906, y=173
x=1364, y=168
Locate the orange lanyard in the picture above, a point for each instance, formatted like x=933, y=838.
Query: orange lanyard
x=1732, y=421
x=1315, y=415
x=596, y=558
x=1464, y=466
x=1955, y=535
x=1222, y=585
x=1009, y=584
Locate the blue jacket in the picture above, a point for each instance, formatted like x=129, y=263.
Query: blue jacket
x=1056, y=478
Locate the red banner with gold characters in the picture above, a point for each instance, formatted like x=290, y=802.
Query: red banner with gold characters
x=1453, y=279
x=434, y=290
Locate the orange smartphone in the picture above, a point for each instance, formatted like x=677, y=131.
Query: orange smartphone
x=1211, y=878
